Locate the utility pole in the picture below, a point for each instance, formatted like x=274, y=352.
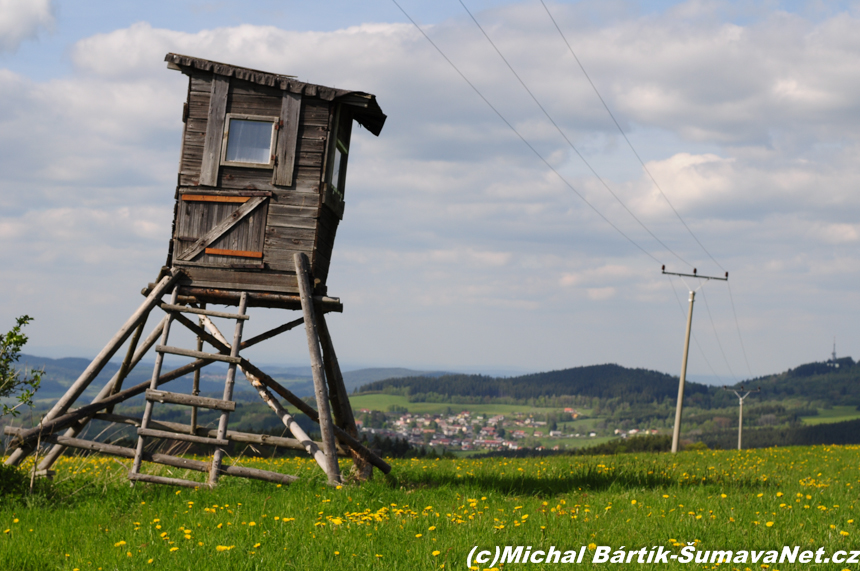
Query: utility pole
x=741, y=409
x=676, y=431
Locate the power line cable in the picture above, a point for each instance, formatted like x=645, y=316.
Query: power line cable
x=623, y=134
x=564, y=136
x=738, y=325
x=648, y=172
x=523, y=139
x=714, y=327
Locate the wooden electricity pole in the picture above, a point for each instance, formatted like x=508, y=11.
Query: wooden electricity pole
x=676, y=431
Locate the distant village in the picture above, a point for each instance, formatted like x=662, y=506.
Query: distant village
x=465, y=431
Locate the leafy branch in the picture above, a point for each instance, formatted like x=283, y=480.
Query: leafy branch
x=12, y=379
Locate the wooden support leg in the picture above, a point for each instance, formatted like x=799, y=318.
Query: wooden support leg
x=326, y=428
x=362, y=469
x=109, y=389
x=218, y=457
x=101, y=360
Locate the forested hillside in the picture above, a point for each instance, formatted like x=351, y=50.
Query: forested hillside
x=596, y=381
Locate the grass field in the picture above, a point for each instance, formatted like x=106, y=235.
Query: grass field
x=379, y=401
x=835, y=414
x=429, y=514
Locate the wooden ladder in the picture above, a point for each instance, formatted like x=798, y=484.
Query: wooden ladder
x=225, y=405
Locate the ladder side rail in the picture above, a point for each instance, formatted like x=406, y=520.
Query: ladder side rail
x=153, y=384
x=218, y=456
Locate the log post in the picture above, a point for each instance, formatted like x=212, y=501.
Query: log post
x=323, y=409
x=95, y=367
x=362, y=469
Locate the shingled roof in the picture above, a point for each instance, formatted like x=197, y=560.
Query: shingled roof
x=367, y=111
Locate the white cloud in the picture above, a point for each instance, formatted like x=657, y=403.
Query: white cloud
x=449, y=217
x=21, y=20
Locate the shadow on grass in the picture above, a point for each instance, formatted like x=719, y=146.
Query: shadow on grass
x=582, y=481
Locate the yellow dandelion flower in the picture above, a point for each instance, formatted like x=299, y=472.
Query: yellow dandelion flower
x=633, y=502
x=252, y=524
x=119, y=543
x=15, y=520
x=172, y=549
x=843, y=533
x=435, y=553
x=769, y=524
x=128, y=553
x=592, y=546
x=256, y=545
x=224, y=547
x=433, y=527
x=418, y=535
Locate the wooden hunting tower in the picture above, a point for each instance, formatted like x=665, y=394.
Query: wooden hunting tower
x=262, y=178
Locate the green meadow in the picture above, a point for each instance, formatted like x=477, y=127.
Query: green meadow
x=430, y=514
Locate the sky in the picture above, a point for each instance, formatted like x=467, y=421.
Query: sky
x=475, y=238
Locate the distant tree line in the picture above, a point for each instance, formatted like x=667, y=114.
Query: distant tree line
x=598, y=381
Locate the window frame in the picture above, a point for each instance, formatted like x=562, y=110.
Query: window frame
x=342, y=145
x=272, y=143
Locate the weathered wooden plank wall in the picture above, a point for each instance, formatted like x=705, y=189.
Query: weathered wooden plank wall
x=293, y=221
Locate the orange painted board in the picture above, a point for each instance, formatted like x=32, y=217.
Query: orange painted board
x=237, y=253
x=214, y=198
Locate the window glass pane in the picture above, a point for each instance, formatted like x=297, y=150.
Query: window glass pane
x=249, y=141
x=335, y=171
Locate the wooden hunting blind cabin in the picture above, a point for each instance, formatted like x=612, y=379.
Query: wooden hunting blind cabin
x=260, y=193
x=262, y=175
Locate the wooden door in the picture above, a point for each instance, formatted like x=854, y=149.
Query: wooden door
x=223, y=230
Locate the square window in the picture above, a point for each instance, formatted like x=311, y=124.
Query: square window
x=249, y=141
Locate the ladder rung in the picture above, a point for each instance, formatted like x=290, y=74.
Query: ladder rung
x=197, y=354
x=189, y=400
x=258, y=474
x=186, y=309
x=168, y=481
x=182, y=437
